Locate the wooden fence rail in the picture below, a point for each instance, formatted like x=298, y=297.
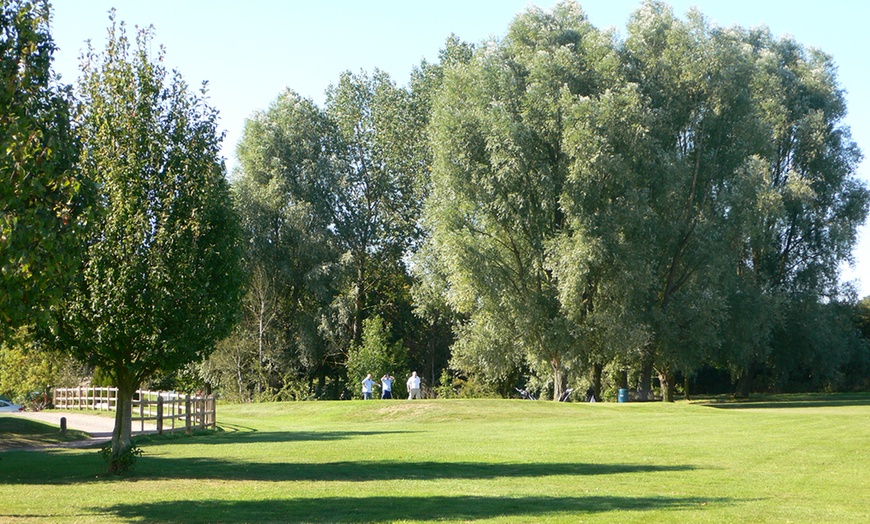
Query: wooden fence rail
x=169, y=410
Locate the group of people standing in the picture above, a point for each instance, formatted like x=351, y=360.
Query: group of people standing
x=387, y=386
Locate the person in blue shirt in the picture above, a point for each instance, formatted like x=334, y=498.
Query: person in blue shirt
x=387, y=386
x=367, y=384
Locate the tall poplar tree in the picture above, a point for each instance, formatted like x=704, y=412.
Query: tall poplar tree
x=285, y=193
x=809, y=202
x=377, y=207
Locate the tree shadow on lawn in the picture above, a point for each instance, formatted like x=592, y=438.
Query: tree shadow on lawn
x=387, y=509
x=243, y=435
x=365, y=471
x=82, y=468
x=796, y=401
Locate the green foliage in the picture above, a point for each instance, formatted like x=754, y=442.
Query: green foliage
x=378, y=355
x=161, y=279
x=559, y=205
x=462, y=386
x=163, y=265
x=43, y=198
x=498, y=173
x=656, y=200
x=816, y=348
x=329, y=205
x=285, y=192
x=102, y=378
x=381, y=159
x=28, y=367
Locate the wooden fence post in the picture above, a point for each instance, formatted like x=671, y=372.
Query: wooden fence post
x=159, y=415
x=187, y=413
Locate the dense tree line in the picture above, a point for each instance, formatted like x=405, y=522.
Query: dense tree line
x=559, y=208
x=555, y=207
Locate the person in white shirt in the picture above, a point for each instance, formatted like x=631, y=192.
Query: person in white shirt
x=387, y=386
x=367, y=384
x=414, y=386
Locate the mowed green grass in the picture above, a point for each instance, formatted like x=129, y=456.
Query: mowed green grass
x=17, y=432
x=802, y=460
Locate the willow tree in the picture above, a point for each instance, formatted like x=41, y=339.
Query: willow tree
x=498, y=175
x=700, y=139
x=42, y=196
x=161, y=278
x=809, y=207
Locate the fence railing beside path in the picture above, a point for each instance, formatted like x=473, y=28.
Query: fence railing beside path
x=169, y=410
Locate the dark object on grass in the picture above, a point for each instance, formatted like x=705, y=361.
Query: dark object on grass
x=525, y=394
x=566, y=395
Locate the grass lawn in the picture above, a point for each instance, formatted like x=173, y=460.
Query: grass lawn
x=804, y=459
x=19, y=433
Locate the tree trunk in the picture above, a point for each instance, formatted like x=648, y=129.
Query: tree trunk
x=744, y=384
x=643, y=389
x=122, y=438
x=623, y=379
x=240, y=379
x=260, y=335
x=558, y=378
x=359, y=305
x=431, y=344
x=321, y=384
x=597, y=369
x=667, y=385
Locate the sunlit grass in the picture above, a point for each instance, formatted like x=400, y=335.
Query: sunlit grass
x=17, y=432
x=801, y=460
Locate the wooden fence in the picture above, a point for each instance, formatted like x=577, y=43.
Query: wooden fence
x=168, y=410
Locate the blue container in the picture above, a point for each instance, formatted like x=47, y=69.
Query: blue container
x=623, y=395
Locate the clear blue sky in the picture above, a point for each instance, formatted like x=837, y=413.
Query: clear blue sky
x=249, y=51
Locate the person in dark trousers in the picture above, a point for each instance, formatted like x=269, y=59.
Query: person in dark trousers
x=387, y=386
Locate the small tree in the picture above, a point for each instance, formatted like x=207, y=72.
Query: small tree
x=161, y=281
x=375, y=355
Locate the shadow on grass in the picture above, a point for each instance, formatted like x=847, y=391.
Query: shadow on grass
x=17, y=433
x=387, y=509
x=242, y=435
x=796, y=401
x=364, y=471
x=48, y=471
